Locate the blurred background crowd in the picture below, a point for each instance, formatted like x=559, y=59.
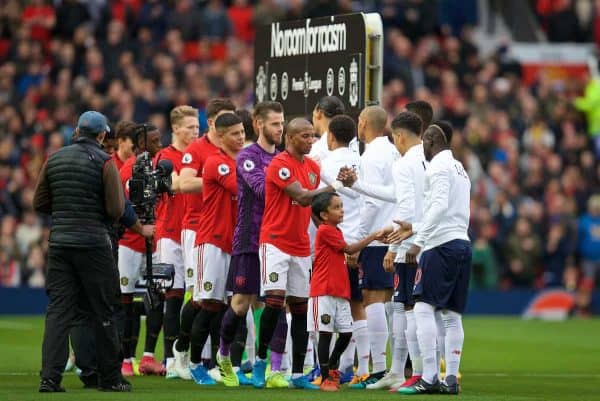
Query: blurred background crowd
x=531, y=151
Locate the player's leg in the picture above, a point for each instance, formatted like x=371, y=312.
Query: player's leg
x=411, y=326
x=171, y=252
x=297, y=290
x=395, y=377
x=376, y=285
x=277, y=345
x=274, y=265
x=209, y=292
x=452, y=316
x=128, y=264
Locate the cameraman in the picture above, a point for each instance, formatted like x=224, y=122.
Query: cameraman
x=79, y=186
x=132, y=263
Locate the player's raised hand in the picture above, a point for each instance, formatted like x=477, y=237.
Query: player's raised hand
x=388, y=261
x=402, y=232
x=382, y=234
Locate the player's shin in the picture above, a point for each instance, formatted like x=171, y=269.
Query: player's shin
x=454, y=341
x=188, y=313
x=299, y=336
x=426, y=335
x=277, y=343
x=229, y=327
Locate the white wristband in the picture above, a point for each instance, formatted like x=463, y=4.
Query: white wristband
x=337, y=185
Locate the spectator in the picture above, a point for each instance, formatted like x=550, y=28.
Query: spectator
x=589, y=249
x=523, y=254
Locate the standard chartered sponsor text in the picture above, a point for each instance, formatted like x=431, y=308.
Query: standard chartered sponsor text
x=307, y=40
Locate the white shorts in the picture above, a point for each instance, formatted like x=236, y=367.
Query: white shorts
x=213, y=268
x=280, y=271
x=190, y=256
x=132, y=265
x=330, y=314
x=169, y=251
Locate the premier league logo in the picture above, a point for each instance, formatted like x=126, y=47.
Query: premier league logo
x=248, y=165
x=187, y=158
x=223, y=169
x=284, y=173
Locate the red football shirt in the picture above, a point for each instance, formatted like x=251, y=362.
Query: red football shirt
x=130, y=239
x=170, y=209
x=118, y=161
x=330, y=275
x=194, y=156
x=285, y=222
x=219, y=211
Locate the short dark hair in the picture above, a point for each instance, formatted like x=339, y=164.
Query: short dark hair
x=321, y=202
x=446, y=128
x=227, y=120
x=138, y=132
x=331, y=106
x=262, y=109
x=408, y=121
x=343, y=128
x=246, y=118
x=125, y=129
x=424, y=110
x=214, y=106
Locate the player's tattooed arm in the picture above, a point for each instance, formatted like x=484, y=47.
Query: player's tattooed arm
x=303, y=196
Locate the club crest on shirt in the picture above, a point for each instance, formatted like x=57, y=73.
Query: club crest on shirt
x=284, y=173
x=312, y=177
x=187, y=158
x=124, y=281
x=325, y=318
x=207, y=286
x=273, y=277
x=248, y=165
x=190, y=272
x=223, y=169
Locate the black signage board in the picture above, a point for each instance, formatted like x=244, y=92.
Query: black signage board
x=298, y=62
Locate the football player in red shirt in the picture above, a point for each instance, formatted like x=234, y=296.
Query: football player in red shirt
x=124, y=132
x=131, y=263
x=169, y=215
x=291, y=183
x=190, y=184
x=215, y=239
x=329, y=303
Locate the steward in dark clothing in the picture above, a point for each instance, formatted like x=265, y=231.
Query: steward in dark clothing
x=79, y=187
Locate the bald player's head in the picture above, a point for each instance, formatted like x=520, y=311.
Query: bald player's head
x=371, y=122
x=300, y=136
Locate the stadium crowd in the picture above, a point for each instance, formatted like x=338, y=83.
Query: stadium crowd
x=527, y=150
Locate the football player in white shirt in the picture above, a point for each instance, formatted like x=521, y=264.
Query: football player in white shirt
x=327, y=108
x=442, y=280
x=377, y=285
x=342, y=131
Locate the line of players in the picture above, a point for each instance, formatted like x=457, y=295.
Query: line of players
x=250, y=221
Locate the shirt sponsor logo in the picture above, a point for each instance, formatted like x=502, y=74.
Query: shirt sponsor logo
x=187, y=158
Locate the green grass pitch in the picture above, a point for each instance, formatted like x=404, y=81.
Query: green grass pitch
x=504, y=359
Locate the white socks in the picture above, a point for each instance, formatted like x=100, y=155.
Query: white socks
x=361, y=335
x=378, y=335
x=400, y=347
x=426, y=335
x=455, y=337
x=441, y=338
x=251, y=337
x=413, y=343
